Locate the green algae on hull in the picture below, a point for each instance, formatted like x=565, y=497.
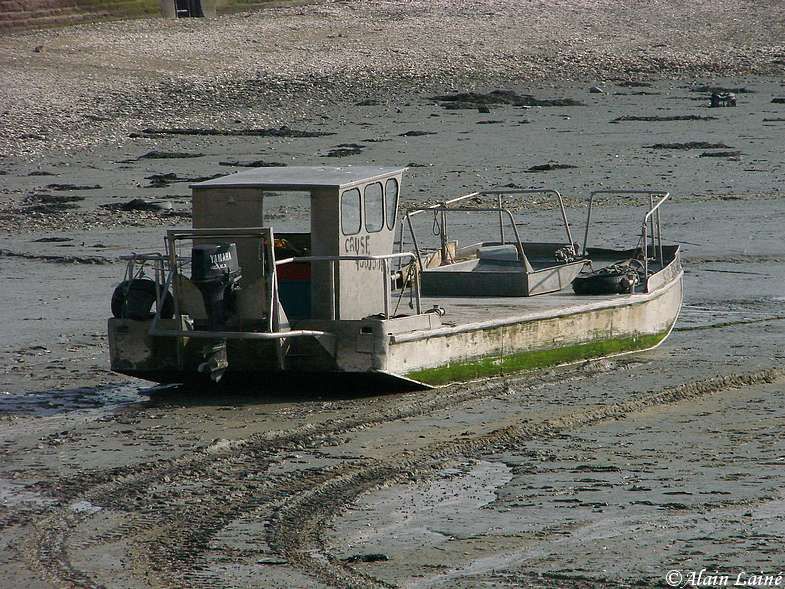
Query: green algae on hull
x=531, y=360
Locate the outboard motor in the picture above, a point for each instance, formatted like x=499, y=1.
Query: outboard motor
x=215, y=271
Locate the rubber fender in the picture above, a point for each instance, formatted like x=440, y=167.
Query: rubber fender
x=135, y=299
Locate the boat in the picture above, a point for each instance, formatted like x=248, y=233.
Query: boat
x=356, y=294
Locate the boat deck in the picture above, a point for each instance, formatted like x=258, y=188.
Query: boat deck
x=469, y=310
x=483, y=311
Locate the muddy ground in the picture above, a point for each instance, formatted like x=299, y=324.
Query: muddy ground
x=608, y=473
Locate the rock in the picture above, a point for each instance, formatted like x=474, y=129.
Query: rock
x=252, y=164
x=416, y=133
x=137, y=204
x=54, y=198
x=52, y=239
x=345, y=149
x=720, y=89
x=372, y=557
x=689, y=145
x=161, y=180
x=468, y=100
x=549, y=166
x=73, y=187
x=163, y=155
x=720, y=154
x=663, y=119
x=596, y=90
x=283, y=131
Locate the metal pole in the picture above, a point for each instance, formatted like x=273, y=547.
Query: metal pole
x=651, y=225
x=564, y=217
x=443, y=234
x=333, y=304
x=414, y=240
x=645, y=258
x=659, y=238
x=400, y=244
x=170, y=241
x=588, y=222
x=386, y=270
x=417, y=289
x=501, y=222
x=517, y=236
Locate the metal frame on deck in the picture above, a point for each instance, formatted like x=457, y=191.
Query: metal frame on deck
x=444, y=207
x=168, y=265
x=385, y=259
x=651, y=227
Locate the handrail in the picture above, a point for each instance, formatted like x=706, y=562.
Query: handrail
x=418, y=210
x=239, y=334
x=143, y=257
x=155, y=331
x=342, y=258
x=648, y=218
x=445, y=209
x=499, y=193
x=174, y=235
x=177, y=234
x=506, y=191
x=385, y=258
x=218, y=231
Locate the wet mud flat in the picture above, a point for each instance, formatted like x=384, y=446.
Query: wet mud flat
x=66, y=218
x=544, y=479
x=605, y=473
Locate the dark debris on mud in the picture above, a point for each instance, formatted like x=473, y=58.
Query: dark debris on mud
x=475, y=100
x=162, y=155
x=720, y=89
x=65, y=187
x=344, y=150
x=663, y=119
x=252, y=164
x=732, y=153
x=550, y=166
x=689, y=145
x=67, y=259
x=269, y=132
x=162, y=180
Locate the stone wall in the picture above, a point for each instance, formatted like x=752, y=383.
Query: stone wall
x=25, y=14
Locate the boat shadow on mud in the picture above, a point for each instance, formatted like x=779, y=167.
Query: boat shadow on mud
x=286, y=388
x=55, y=402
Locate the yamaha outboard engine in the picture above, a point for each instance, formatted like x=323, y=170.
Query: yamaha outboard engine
x=215, y=271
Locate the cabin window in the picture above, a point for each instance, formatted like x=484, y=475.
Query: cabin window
x=350, y=211
x=391, y=200
x=374, y=208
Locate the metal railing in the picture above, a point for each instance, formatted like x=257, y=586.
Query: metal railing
x=444, y=208
x=511, y=191
x=273, y=327
x=443, y=228
x=385, y=265
x=651, y=227
x=168, y=265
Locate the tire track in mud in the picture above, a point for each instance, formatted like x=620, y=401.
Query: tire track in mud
x=298, y=527
x=169, y=535
x=184, y=532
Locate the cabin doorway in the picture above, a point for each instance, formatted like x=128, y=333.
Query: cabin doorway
x=188, y=8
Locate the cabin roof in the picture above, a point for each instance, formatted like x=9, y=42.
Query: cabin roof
x=300, y=177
